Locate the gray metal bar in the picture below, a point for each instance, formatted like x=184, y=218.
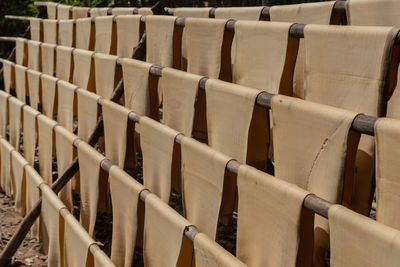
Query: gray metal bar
x=296, y=30
x=362, y=123
x=7, y=39
x=339, y=7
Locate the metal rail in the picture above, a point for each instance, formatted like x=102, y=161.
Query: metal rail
x=339, y=8
x=362, y=123
x=296, y=30
x=109, y=10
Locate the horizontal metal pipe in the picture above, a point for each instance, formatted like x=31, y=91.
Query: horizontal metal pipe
x=311, y=202
x=362, y=123
x=7, y=39
x=25, y=18
x=339, y=7
x=44, y=4
x=296, y=30
x=22, y=18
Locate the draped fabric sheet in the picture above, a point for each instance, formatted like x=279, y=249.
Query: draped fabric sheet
x=48, y=97
x=145, y=11
x=15, y=120
x=66, y=33
x=48, y=59
x=84, y=73
x=105, y=66
x=52, y=222
x=269, y=231
x=63, y=63
x=264, y=56
x=236, y=127
x=106, y=37
x=387, y=184
x=87, y=113
x=118, y=134
x=208, y=253
x=65, y=152
x=383, y=13
x=123, y=10
x=179, y=112
x=79, y=12
x=358, y=241
x=18, y=164
x=50, y=31
x=203, y=44
x=66, y=105
x=163, y=234
x=34, y=55
x=4, y=109
x=20, y=82
x=36, y=29
x=63, y=12
x=93, y=185
x=51, y=10
x=309, y=13
x=85, y=34
x=203, y=47
x=5, y=172
x=21, y=52
x=315, y=158
x=157, y=143
x=128, y=34
x=17, y=77
x=136, y=85
x=239, y=13
x=353, y=76
x=97, y=12
x=30, y=133
x=33, y=78
x=125, y=214
x=33, y=194
x=46, y=148
x=345, y=67
x=203, y=175
x=192, y=12
x=160, y=40
x=77, y=243
x=371, y=13
x=8, y=75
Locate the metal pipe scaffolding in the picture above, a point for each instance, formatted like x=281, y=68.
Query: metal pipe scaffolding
x=362, y=123
x=339, y=7
x=295, y=31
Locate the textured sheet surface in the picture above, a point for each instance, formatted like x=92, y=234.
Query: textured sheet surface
x=203, y=178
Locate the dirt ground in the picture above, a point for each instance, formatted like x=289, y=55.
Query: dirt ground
x=29, y=252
